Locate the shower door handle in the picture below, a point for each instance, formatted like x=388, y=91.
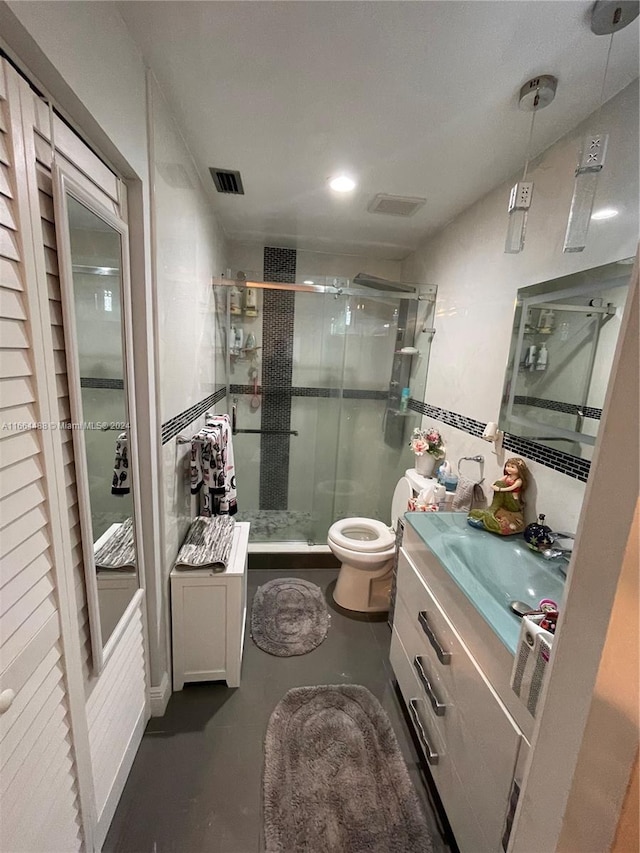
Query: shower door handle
x=269, y=431
x=234, y=419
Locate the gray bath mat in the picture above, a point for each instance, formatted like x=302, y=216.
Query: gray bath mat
x=334, y=777
x=289, y=617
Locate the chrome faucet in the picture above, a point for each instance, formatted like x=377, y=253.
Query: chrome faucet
x=556, y=551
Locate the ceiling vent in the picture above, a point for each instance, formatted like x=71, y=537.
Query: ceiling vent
x=227, y=181
x=395, y=205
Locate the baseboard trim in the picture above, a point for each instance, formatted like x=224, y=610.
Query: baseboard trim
x=109, y=809
x=159, y=696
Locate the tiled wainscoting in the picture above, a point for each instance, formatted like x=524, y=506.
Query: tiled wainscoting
x=565, y=463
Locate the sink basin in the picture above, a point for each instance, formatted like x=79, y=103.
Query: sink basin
x=492, y=571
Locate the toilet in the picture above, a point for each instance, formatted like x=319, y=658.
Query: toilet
x=366, y=549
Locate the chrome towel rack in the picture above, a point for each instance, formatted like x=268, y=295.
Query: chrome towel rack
x=479, y=459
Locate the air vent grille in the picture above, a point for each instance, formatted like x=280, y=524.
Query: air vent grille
x=395, y=205
x=227, y=181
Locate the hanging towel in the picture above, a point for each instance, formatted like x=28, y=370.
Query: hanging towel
x=468, y=495
x=120, y=482
x=212, y=469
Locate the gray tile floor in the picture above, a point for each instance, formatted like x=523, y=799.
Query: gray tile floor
x=196, y=781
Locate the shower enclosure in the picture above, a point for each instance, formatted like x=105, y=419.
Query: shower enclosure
x=314, y=381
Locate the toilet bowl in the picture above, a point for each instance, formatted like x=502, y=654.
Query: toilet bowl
x=366, y=549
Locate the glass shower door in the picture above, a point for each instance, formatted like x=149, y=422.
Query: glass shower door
x=284, y=380
x=311, y=376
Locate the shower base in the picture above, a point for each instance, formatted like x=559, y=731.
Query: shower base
x=277, y=525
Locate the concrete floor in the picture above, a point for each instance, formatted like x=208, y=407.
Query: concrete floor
x=196, y=782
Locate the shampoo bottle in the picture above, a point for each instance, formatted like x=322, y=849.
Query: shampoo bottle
x=404, y=399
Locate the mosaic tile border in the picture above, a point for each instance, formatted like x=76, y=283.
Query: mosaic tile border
x=173, y=426
x=301, y=391
x=565, y=463
x=558, y=406
x=97, y=382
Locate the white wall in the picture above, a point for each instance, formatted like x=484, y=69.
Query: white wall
x=189, y=249
x=477, y=285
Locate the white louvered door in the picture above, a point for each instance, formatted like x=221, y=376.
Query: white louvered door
x=38, y=775
x=69, y=735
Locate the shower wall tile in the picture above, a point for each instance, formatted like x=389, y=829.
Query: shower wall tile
x=278, y=309
x=100, y=382
x=279, y=265
x=558, y=406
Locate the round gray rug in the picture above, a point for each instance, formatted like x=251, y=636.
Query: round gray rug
x=334, y=777
x=289, y=617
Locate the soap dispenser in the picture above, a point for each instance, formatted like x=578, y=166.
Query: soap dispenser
x=542, y=358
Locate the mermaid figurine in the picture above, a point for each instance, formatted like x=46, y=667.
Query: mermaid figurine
x=505, y=516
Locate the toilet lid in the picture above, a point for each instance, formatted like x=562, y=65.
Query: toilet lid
x=401, y=497
x=366, y=535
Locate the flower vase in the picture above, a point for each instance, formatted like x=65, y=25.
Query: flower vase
x=425, y=464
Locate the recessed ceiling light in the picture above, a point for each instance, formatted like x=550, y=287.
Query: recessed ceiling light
x=605, y=213
x=342, y=184
x=307, y=281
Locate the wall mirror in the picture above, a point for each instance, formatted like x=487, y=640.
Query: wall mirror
x=563, y=341
x=92, y=253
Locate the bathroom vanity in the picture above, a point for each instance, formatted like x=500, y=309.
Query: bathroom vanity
x=452, y=650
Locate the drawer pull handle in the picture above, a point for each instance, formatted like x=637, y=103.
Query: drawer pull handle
x=429, y=752
x=438, y=706
x=443, y=656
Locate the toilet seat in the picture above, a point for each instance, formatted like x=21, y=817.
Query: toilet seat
x=367, y=535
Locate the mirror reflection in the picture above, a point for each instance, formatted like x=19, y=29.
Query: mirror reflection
x=563, y=342
x=96, y=254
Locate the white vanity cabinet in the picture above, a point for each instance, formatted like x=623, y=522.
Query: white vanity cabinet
x=469, y=738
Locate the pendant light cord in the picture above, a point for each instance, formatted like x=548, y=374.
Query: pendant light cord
x=604, y=81
x=533, y=121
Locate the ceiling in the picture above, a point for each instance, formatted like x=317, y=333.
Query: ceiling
x=412, y=98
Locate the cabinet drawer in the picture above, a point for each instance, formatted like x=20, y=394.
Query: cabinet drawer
x=478, y=734
x=469, y=835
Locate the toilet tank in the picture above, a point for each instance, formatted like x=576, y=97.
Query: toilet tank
x=418, y=482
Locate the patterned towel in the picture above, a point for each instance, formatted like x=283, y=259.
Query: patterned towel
x=212, y=469
x=119, y=552
x=207, y=544
x=120, y=482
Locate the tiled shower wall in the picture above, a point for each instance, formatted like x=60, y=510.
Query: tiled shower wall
x=278, y=309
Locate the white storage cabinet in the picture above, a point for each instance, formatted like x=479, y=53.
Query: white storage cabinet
x=208, y=615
